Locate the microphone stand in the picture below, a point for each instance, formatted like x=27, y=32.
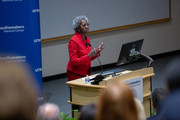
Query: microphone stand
x=99, y=77
x=97, y=57
x=100, y=64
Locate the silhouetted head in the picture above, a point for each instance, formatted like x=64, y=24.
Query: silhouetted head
x=117, y=103
x=48, y=111
x=158, y=95
x=17, y=92
x=88, y=112
x=172, y=74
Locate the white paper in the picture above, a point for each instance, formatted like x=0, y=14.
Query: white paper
x=136, y=85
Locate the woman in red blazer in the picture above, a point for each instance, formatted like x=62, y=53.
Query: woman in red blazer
x=80, y=51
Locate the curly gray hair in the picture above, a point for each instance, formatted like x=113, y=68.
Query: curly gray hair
x=77, y=20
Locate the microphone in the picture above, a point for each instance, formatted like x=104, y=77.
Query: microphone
x=99, y=77
x=97, y=57
x=88, y=44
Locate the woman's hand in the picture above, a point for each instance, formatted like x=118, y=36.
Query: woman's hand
x=92, y=53
x=95, y=52
x=100, y=48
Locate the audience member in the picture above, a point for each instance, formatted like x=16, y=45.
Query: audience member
x=158, y=95
x=140, y=110
x=172, y=74
x=48, y=111
x=116, y=102
x=88, y=112
x=17, y=92
x=171, y=106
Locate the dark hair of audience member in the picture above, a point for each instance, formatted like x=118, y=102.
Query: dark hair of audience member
x=169, y=109
x=173, y=75
x=158, y=95
x=88, y=112
x=17, y=92
x=117, y=103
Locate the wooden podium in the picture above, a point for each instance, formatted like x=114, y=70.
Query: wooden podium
x=82, y=94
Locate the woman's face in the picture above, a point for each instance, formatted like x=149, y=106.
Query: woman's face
x=84, y=27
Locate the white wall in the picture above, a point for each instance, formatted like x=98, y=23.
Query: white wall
x=158, y=38
x=58, y=14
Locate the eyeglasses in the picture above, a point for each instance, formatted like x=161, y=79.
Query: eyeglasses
x=84, y=25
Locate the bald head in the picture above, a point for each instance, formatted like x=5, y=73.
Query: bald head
x=48, y=111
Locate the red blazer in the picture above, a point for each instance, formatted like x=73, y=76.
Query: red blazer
x=79, y=62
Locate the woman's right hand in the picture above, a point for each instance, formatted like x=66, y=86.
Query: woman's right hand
x=92, y=53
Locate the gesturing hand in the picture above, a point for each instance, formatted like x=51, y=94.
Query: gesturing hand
x=100, y=48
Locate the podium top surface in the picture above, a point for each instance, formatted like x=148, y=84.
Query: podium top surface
x=125, y=75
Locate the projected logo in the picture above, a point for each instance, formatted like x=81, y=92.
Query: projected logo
x=11, y=29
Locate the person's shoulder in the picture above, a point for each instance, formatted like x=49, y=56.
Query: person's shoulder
x=87, y=38
x=170, y=106
x=74, y=38
x=173, y=96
